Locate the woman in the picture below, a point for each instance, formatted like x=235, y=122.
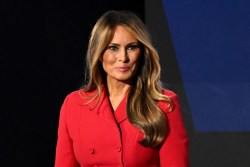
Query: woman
x=122, y=116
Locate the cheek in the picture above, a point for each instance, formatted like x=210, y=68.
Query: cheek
x=110, y=59
x=136, y=58
x=107, y=60
x=136, y=61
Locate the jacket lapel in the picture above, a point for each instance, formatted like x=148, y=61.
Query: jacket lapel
x=120, y=112
x=103, y=107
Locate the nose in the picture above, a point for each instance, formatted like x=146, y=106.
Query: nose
x=123, y=56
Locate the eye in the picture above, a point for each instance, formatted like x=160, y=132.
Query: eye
x=133, y=47
x=113, y=48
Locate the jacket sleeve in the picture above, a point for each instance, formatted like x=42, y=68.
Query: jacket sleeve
x=64, y=149
x=174, y=151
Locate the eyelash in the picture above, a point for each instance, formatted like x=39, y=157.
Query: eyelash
x=113, y=48
x=130, y=47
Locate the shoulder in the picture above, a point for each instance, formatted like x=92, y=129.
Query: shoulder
x=173, y=97
x=72, y=97
x=168, y=93
x=73, y=103
x=79, y=97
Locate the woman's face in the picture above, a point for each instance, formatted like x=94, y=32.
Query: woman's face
x=121, y=58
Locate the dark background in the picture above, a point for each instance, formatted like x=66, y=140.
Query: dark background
x=43, y=46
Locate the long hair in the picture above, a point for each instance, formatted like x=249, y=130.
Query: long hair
x=142, y=109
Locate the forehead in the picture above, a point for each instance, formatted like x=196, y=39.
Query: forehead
x=122, y=34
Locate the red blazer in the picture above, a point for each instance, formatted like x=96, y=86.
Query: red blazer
x=99, y=137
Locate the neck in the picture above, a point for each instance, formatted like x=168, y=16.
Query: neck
x=117, y=88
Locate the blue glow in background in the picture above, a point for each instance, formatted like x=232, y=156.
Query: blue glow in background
x=212, y=46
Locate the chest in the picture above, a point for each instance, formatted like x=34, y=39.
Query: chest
x=102, y=137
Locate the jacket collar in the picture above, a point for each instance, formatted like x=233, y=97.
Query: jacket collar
x=121, y=111
x=103, y=106
x=106, y=109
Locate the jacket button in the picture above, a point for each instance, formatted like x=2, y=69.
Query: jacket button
x=118, y=148
x=91, y=151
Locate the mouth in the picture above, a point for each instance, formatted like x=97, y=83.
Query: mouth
x=122, y=69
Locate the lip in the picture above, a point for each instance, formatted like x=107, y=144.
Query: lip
x=122, y=69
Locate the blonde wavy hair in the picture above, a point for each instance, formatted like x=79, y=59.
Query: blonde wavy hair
x=142, y=109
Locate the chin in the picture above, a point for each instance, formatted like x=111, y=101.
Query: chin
x=124, y=79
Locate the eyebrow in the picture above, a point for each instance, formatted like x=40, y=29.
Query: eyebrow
x=131, y=43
